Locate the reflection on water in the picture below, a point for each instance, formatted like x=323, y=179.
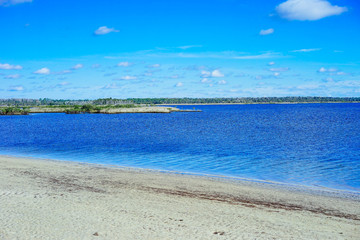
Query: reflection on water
x=311, y=144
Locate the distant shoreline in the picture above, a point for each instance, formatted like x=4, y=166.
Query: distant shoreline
x=265, y=103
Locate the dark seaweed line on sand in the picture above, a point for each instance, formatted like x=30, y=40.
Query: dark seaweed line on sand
x=237, y=200
x=72, y=184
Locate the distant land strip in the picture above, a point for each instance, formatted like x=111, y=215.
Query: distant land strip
x=171, y=101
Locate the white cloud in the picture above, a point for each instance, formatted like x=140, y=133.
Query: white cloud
x=77, y=66
x=307, y=50
x=63, y=83
x=222, y=82
x=128, y=78
x=7, y=66
x=124, y=64
x=13, y=76
x=276, y=74
x=7, y=3
x=16, y=88
x=205, y=80
x=267, y=31
x=271, y=63
x=43, y=71
x=205, y=74
x=278, y=69
x=104, y=30
x=322, y=70
x=179, y=84
x=217, y=73
x=308, y=9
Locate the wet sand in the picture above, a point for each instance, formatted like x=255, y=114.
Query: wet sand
x=46, y=199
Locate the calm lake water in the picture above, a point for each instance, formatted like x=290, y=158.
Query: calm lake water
x=308, y=144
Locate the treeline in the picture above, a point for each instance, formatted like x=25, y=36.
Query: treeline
x=40, y=102
x=150, y=101
x=61, y=102
x=243, y=100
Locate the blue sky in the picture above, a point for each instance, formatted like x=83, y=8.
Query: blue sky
x=215, y=48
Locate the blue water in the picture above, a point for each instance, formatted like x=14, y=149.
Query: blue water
x=307, y=144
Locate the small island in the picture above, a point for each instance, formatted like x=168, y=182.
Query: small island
x=102, y=106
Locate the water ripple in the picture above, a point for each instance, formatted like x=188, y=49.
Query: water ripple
x=311, y=144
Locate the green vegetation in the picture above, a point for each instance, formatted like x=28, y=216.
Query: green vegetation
x=89, y=108
x=243, y=100
x=14, y=111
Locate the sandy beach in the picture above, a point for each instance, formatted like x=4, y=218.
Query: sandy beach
x=46, y=199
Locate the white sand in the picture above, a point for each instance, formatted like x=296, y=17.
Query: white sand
x=43, y=199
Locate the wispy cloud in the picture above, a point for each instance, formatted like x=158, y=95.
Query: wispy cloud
x=205, y=80
x=323, y=70
x=189, y=46
x=267, y=31
x=308, y=10
x=104, y=30
x=283, y=69
x=42, y=71
x=127, y=78
x=111, y=86
x=260, y=56
x=179, y=84
x=77, y=66
x=7, y=66
x=154, y=65
x=307, y=50
x=341, y=73
x=6, y=3
x=124, y=64
x=16, y=88
x=205, y=55
x=109, y=74
x=61, y=84
x=67, y=71
x=12, y=76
